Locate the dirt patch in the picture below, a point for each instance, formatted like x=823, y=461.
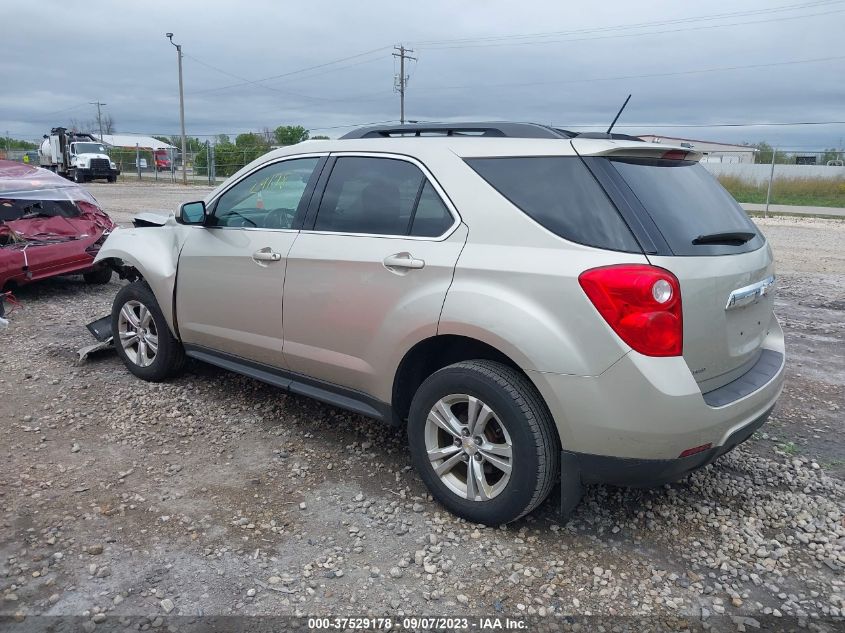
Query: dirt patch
x=218, y=495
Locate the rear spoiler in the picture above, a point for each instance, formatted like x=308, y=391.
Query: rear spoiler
x=633, y=149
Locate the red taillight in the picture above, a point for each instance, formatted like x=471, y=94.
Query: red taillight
x=674, y=154
x=641, y=303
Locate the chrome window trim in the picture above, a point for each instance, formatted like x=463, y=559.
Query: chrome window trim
x=441, y=193
x=217, y=195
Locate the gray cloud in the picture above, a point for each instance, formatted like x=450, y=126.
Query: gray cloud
x=60, y=56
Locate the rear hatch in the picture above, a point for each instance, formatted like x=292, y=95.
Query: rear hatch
x=696, y=230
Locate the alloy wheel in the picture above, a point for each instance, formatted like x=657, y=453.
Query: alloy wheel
x=137, y=332
x=469, y=448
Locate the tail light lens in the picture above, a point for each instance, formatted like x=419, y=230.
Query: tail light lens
x=641, y=303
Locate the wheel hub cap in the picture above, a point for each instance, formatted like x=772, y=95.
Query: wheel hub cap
x=469, y=448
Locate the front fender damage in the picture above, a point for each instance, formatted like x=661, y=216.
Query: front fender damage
x=150, y=253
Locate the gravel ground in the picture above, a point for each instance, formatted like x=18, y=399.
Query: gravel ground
x=124, y=502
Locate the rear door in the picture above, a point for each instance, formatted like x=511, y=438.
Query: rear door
x=721, y=259
x=368, y=274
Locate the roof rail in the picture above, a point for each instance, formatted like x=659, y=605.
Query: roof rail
x=495, y=129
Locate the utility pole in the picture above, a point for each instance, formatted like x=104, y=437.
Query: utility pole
x=99, y=119
x=181, y=111
x=401, y=82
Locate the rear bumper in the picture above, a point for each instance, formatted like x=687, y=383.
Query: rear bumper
x=621, y=471
x=645, y=408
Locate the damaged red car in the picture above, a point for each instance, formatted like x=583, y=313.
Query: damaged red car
x=48, y=226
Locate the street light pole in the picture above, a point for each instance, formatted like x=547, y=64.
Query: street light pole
x=181, y=110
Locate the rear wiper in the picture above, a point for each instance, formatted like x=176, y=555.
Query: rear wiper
x=732, y=238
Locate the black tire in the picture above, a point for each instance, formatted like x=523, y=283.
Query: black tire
x=519, y=408
x=169, y=359
x=112, y=178
x=77, y=177
x=98, y=275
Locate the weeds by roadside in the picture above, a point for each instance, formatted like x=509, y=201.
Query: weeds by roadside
x=814, y=192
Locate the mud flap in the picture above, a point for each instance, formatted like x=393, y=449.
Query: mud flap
x=571, y=487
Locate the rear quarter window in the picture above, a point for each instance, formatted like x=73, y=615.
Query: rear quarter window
x=561, y=194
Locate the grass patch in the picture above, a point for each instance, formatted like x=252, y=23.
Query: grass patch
x=805, y=192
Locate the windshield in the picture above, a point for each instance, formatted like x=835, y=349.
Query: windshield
x=89, y=148
x=693, y=212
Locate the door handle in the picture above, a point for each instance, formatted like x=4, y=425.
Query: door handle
x=266, y=255
x=403, y=260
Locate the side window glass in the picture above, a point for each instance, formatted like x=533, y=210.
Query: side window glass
x=267, y=198
x=432, y=218
x=369, y=195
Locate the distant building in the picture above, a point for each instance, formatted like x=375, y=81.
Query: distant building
x=712, y=151
x=131, y=141
x=151, y=152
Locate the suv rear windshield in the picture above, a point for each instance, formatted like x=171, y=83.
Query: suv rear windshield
x=693, y=212
x=561, y=194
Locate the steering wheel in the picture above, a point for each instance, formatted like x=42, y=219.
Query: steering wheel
x=243, y=220
x=280, y=218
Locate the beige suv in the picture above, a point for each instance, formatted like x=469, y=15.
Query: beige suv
x=536, y=305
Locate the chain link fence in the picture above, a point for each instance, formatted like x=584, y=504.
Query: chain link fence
x=209, y=163
x=788, y=176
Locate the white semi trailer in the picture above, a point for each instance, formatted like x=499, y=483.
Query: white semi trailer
x=80, y=157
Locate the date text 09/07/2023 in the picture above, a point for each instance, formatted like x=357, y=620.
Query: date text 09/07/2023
x=417, y=623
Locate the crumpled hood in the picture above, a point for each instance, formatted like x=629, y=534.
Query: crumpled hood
x=58, y=228
x=37, y=205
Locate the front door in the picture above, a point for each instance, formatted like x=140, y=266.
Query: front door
x=231, y=271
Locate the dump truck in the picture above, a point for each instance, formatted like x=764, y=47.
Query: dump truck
x=79, y=157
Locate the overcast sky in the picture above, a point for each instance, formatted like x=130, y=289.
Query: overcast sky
x=573, y=69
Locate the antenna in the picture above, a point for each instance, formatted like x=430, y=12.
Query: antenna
x=617, y=114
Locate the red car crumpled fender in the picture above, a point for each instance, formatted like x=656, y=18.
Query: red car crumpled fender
x=48, y=225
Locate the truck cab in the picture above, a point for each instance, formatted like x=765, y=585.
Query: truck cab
x=79, y=157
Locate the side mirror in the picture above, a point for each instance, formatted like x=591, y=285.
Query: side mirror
x=192, y=213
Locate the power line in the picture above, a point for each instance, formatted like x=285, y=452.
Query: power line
x=759, y=124
x=251, y=82
x=346, y=98
x=635, y=25
x=296, y=72
x=570, y=125
x=50, y=114
x=629, y=35
x=642, y=76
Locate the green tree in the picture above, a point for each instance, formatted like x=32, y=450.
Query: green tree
x=250, y=139
x=7, y=142
x=831, y=153
x=229, y=157
x=290, y=134
x=764, y=154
